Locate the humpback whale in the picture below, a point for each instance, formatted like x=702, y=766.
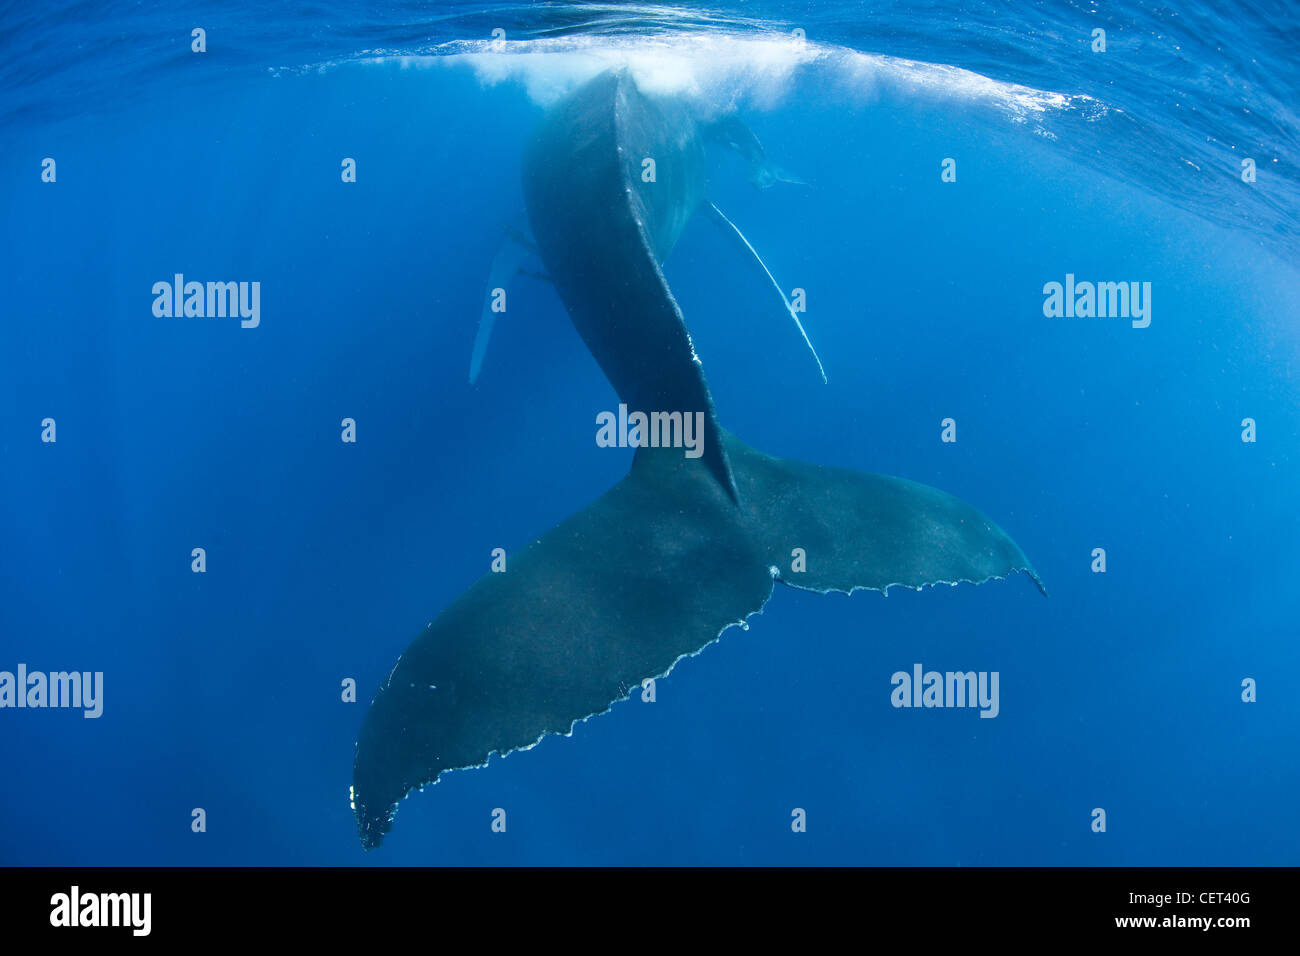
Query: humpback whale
x=681, y=548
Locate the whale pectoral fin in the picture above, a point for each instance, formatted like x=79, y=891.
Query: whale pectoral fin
x=731, y=132
x=765, y=175
x=514, y=251
x=751, y=254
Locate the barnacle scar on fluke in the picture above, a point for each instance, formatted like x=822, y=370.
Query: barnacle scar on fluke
x=680, y=549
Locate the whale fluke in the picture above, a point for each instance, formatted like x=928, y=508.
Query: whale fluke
x=654, y=570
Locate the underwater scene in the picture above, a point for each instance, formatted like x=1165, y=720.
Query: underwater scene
x=636, y=434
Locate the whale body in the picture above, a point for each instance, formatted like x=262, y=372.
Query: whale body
x=681, y=548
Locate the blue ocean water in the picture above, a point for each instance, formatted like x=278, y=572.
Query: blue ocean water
x=1121, y=691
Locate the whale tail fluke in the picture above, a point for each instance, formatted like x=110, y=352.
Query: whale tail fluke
x=652, y=571
x=859, y=530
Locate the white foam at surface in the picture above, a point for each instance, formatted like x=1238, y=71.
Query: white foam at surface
x=721, y=71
